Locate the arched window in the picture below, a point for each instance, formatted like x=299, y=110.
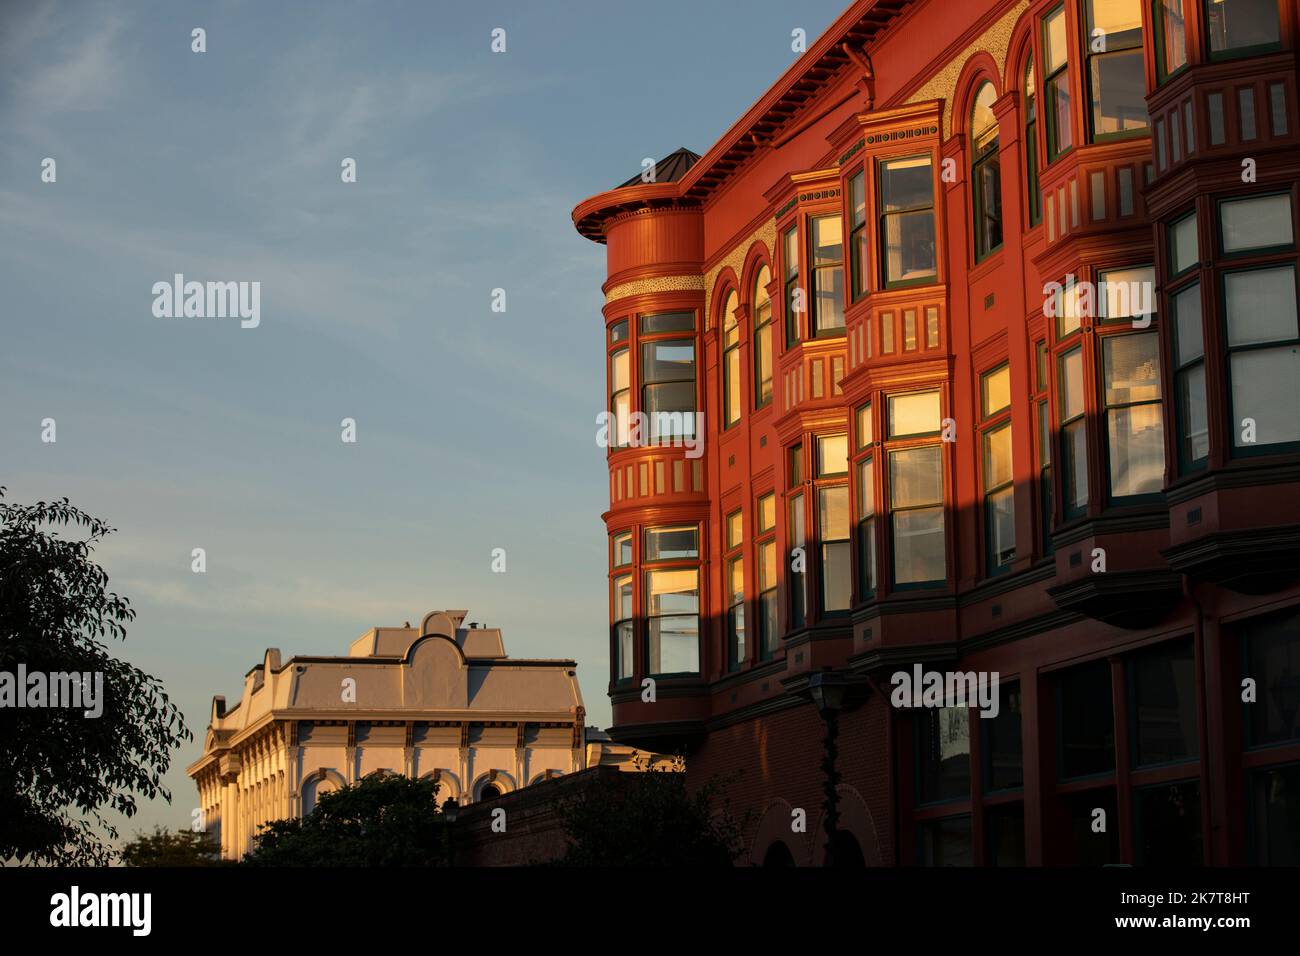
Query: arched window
x=731, y=390
x=489, y=791
x=1035, y=197
x=986, y=173
x=762, y=339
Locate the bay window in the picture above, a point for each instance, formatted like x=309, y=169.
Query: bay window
x=1263, y=367
x=623, y=627
x=1114, y=67
x=866, y=504
x=1257, y=224
x=620, y=396
x=798, y=558
x=907, y=220
x=672, y=596
x=762, y=339
x=1190, y=412
x=1043, y=421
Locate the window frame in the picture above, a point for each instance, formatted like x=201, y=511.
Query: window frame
x=832, y=481
x=739, y=646
x=991, y=422
x=764, y=537
x=815, y=331
x=1049, y=104
x=892, y=446
x=731, y=340
x=1158, y=29
x=988, y=157
x=882, y=217
x=1235, y=53
x=1033, y=186
x=1089, y=55
x=762, y=332
x=648, y=567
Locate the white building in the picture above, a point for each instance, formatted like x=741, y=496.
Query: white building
x=440, y=701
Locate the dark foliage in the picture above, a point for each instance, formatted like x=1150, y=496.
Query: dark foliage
x=383, y=820
x=62, y=770
x=172, y=848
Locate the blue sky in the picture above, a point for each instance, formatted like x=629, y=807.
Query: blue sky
x=475, y=429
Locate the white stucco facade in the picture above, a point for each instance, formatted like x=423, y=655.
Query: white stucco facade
x=442, y=700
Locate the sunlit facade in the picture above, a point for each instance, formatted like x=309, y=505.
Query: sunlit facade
x=990, y=312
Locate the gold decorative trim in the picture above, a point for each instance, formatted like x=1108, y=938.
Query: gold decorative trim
x=994, y=41
x=766, y=233
x=686, y=283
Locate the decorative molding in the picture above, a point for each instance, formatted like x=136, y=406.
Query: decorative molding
x=679, y=283
x=994, y=41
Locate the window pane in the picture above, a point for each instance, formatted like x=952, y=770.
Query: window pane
x=858, y=199
x=1260, y=305
x=670, y=410
x=735, y=529
x=1131, y=366
x=668, y=322
x=1127, y=293
x=866, y=489
x=1137, y=449
x=832, y=455
x=1246, y=113
x=1183, y=243
x=1277, y=108
x=1189, y=344
x=1087, y=733
x=906, y=184
x=623, y=598
x=827, y=249
x=623, y=638
x=1214, y=106
x=735, y=581
x=837, y=575
x=672, y=592
x=864, y=427
x=909, y=246
x=766, y=513
x=1241, y=24
x=622, y=549
x=943, y=754
x=1194, y=421
x=674, y=645
x=1071, y=384
x=1265, y=389
x=916, y=477
x=1000, y=527
x=671, y=361
x=1004, y=754
x=996, y=390
x=1061, y=136
x=946, y=843
x=919, y=546
x=1275, y=800
x=833, y=512
x=1006, y=840
x=1169, y=825
x=1118, y=85
x=1256, y=223
x=618, y=332
x=916, y=413
x=1164, y=697
x=1119, y=20
x=731, y=376
x=1074, y=450
x=767, y=565
x=997, y=457
x=1273, y=662
x=1173, y=34
x=619, y=376
x=671, y=544
x=1089, y=847
x=1055, y=44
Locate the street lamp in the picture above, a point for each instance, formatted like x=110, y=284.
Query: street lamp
x=827, y=689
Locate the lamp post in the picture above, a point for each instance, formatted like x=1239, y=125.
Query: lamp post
x=827, y=689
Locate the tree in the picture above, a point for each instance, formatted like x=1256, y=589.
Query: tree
x=650, y=819
x=382, y=820
x=62, y=768
x=172, y=848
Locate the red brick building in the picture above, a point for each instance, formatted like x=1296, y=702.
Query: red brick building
x=918, y=451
